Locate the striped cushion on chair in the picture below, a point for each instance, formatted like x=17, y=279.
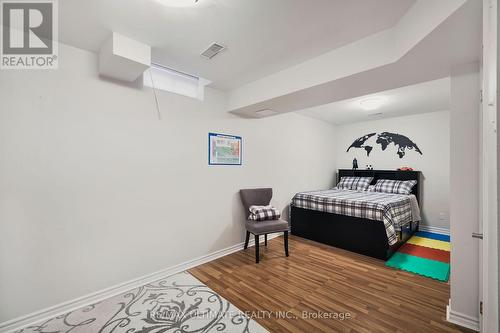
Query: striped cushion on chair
x=263, y=213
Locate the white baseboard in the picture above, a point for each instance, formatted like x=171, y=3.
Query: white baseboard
x=462, y=319
x=53, y=311
x=437, y=230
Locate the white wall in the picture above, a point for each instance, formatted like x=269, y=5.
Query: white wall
x=431, y=133
x=95, y=190
x=464, y=191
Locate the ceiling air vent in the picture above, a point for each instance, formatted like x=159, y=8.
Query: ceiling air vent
x=212, y=51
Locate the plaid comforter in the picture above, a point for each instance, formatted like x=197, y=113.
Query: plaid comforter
x=392, y=209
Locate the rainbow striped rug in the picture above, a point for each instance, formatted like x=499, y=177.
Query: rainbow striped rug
x=426, y=254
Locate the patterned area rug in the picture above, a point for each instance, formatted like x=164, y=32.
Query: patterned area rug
x=426, y=254
x=179, y=303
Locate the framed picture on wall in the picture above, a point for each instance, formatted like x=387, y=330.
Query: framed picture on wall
x=224, y=149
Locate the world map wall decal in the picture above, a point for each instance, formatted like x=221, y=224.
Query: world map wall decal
x=384, y=139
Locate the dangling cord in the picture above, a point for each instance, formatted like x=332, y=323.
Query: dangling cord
x=156, y=97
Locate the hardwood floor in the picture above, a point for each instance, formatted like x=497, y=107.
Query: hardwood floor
x=318, y=279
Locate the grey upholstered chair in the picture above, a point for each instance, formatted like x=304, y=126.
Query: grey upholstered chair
x=261, y=197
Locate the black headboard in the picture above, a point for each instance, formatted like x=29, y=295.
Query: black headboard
x=385, y=174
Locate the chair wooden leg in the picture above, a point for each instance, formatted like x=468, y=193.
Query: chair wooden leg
x=247, y=239
x=257, y=249
x=286, y=243
x=265, y=239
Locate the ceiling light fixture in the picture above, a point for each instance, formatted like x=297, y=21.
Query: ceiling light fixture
x=266, y=113
x=178, y=3
x=372, y=103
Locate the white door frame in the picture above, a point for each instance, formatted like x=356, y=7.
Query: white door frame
x=489, y=185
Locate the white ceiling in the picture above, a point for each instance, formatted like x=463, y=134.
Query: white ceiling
x=429, y=41
x=262, y=36
x=419, y=98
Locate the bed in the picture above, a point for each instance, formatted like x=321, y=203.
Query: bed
x=369, y=223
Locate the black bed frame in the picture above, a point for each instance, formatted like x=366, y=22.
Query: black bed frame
x=353, y=233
